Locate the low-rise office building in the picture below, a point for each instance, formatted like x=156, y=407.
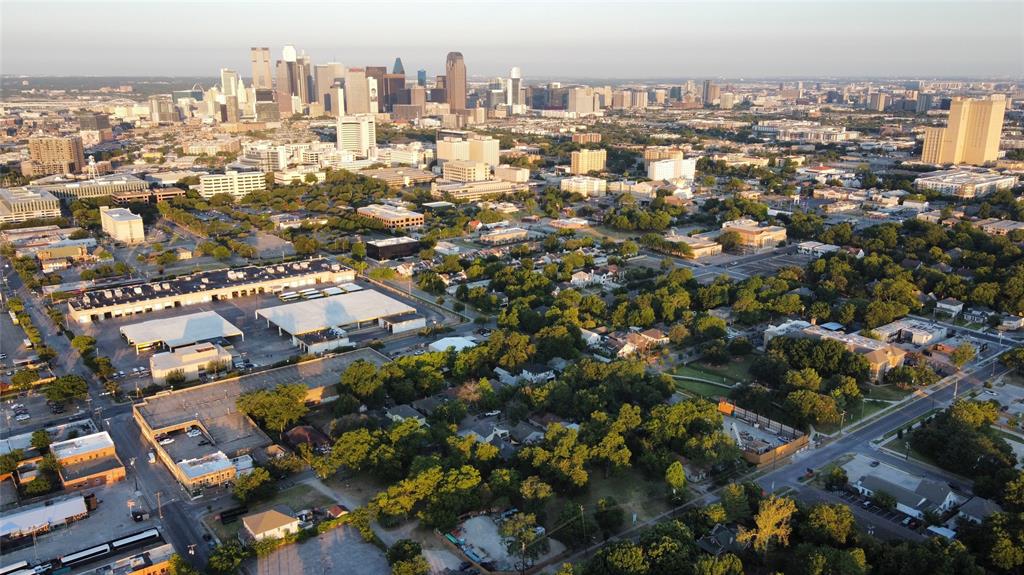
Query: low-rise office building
x=99, y=186
x=512, y=174
x=398, y=178
x=122, y=225
x=584, y=185
x=753, y=235
x=27, y=203
x=88, y=461
x=474, y=191
x=465, y=171
x=190, y=362
x=391, y=248
x=697, y=247
x=235, y=184
x=393, y=217
x=504, y=236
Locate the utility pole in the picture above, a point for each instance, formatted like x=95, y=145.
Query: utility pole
x=159, y=507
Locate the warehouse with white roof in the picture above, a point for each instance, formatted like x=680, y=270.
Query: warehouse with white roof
x=179, y=331
x=323, y=324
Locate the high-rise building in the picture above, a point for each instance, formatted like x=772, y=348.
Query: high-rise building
x=513, y=91
x=586, y=161
x=455, y=82
x=230, y=82
x=162, y=110
x=326, y=76
x=456, y=145
x=924, y=103
x=878, y=101
x=398, y=68
x=357, y=134
x=711, y=93
x=304, y=80
x=261, y=75
x=421, y=78
x=283, y=88
x=375, y=86
x=357, y=93
x=391, y=90
x=55, y=155
x=971, y=135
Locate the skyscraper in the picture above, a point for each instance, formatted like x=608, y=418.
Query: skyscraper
x=971, y=135
x=455, y=81
x=421, y=78
x=711, y=93
x=325, y=76
x=54, y=156
x=513, y=95
x=398, y=68
x=230, y=82
x=288, y=81
x=261, y=74
x=357, y=95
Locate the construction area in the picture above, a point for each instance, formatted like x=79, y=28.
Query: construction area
x=761, y=440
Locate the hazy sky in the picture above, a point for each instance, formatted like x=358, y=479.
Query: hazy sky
x=550, y=38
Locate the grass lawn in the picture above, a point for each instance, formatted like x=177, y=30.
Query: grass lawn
x=900, y=446
x=888, y=392
x=734, y=371
x=702, y=389
x=907, y=424
x=871, y=406
x=297, y=498
x=635, y=492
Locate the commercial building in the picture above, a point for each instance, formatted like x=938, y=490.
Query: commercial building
x=349, y=310
x=504, y=236
x=473, y=191
x=881, y=356
x=391, y=248
x=971, y=135
x=586, y=161
x=965, y=183
x=913, y=331
x=672, y=169
x=235, y=184
x=753, y=235
x=698, y=247
x=411, y=154
x=153, y=561
x=122, y=225
x=179, y=331
x=357, y=134
x=204, y=287
x=393, y=217
x=262, y=78
x=88, y=461
x=44, y=517
x=455, y=82
x=509, y=173
x=27, y=203
x=190, y=361
x=398, y=178
x=458, y=145
x=107, y=185
x=465, y=171
x=54, y=156
x=584, y=185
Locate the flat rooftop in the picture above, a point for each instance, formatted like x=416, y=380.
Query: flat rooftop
x=202, y=281
x=81, y=445
x=29, y=519
x=122, y=215
x=90, y=467
x=335, y=311
x=180, y=330
x=213, y=404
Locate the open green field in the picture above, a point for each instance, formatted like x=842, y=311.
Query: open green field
x=901, y=446
x=630, y=488
x=887, y=392
x=870, y=407
x=702, y=389
x=296, y=498
x=735, y=371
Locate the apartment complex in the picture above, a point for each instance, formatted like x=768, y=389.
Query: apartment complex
x=671, y=169
x=753, y=235
x=27, y=203
x=465, y=171
x=54, y=156
x=452, y=145
x=584, y=185
x=393, y=217
x=971, y=135
x=586, y=161
x=235, y=184
x=586, y=138
x=511, y=174
x=122, y=225
x=965, y=183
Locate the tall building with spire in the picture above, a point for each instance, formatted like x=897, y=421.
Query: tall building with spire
x=513, y=94
x=261, y=74
x=398, y=68
x=455, y=81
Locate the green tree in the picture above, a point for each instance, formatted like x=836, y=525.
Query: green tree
x=276, y=408
x=179, y=566
x=253, y=486
x=522, y=540
x=675, y=477
x=226, y=559
x=66, y=388
x=832, y=523
x=609, y=516
x=735, y=502
x=84, y=344
x=404, y=550
x=40, y=439
x=962, y=354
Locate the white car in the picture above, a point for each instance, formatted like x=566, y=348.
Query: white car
x=194, y=433
x=167, y=441
x=22, y=417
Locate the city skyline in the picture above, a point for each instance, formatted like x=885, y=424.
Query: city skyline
x=774, y=39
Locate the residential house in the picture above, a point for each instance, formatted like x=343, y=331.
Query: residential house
x=721, y=540
x=400, y=413
x=977, y=509
x=949, y=306
x=270, y=524
x=928, y=496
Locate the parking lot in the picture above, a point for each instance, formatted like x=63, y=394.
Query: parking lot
x=340, y=550
x=110, y=520
x=38, y=412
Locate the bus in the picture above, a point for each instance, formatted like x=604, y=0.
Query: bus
x=288, y=296
x=135, y=540
x=14, y=568
x=314, y=295
x=85, y=555
x=309, y=291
